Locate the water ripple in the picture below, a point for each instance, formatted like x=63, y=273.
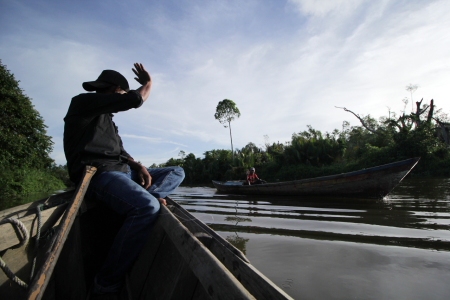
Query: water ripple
x=315, y=245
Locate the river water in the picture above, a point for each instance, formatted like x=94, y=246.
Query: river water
x=395, y=248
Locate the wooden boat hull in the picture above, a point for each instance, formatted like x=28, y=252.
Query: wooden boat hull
x=371, y=183
x=20, y=259
x=182, y=259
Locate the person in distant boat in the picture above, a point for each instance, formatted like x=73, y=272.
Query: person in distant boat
x=252, y=178
x=121, y=183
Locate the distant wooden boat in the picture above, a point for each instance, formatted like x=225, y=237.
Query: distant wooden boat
x=182, y=259
x=371, y=183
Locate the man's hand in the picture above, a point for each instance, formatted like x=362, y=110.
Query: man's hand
x=144, y=178
x=142, y=75
x=143, y=78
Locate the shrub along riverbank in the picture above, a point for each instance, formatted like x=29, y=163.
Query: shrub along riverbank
x=25, y=181
x=16, y=183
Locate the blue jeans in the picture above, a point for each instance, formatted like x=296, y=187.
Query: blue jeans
x=118, y=191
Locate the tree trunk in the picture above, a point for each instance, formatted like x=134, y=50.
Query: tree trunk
x=231, y=138
x=431, y=111
x=417, y=120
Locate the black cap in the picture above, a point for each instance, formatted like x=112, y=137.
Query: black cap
x=107, y=78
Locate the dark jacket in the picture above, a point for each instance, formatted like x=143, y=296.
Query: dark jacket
x=90, y=135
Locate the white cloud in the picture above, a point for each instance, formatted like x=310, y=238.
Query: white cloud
x=358, y=54
x=321, y=8
x=150, y=139
x=177, y=150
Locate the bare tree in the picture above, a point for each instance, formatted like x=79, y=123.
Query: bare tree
x=405, y=101
x=420, y=111
x=412, y=88
x=404, y=121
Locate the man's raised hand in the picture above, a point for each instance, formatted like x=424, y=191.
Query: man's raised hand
x=143, y=77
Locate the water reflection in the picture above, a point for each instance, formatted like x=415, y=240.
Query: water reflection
x=235, y=239
x=348, y=246
x=238, y=242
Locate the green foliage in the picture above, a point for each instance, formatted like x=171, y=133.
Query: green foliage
x=216, y=164
x=25, y=165
x=418, y=142
x=441, y=153
x=433, y=166
x=17, y=186
x=19, y=182
x=61, y=172
x=23, y=138
x=311, y=148
x=250, y=156
x=226, y=111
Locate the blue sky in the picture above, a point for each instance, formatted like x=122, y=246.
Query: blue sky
x=286, y=64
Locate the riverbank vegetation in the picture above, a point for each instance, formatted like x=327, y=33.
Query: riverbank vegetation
x=25, y=164
x=311, y=153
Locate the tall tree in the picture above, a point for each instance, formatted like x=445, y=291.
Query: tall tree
x=23, y=138
x=412, y=88
x=226, y=111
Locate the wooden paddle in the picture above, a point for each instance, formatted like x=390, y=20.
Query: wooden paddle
x=42, y=278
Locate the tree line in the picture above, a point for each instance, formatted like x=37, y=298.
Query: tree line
x=310, y=153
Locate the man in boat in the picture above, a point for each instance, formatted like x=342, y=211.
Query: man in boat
x=121, y=183
x=252, y=178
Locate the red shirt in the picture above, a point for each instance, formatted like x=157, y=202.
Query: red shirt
x=252, y=177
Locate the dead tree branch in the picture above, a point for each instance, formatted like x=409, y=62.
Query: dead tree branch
x=361, y=120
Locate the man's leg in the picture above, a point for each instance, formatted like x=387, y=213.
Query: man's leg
x=164, y=180
x=127, y=198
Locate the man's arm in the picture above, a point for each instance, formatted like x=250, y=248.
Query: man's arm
x=144, y=79
x=144, y=176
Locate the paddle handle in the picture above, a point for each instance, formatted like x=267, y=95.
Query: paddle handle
x=42, y=278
